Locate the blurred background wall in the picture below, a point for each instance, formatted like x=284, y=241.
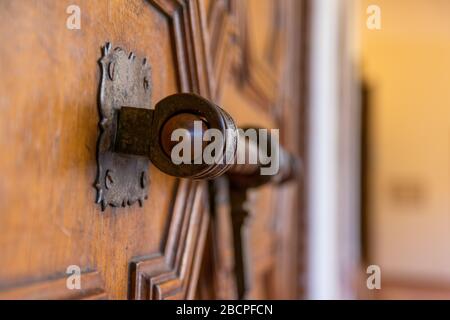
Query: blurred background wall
x=379, y=144
x=406, y=66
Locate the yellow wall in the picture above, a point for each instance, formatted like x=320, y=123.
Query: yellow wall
x=407, y=64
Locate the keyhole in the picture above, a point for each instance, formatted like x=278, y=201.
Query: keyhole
x=109, y=181
x=143, y=180
x=112, y=70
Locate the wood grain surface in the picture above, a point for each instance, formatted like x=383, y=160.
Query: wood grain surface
x=237, y=53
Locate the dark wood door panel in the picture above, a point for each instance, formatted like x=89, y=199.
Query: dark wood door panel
x=48, y=115
x=237, y=53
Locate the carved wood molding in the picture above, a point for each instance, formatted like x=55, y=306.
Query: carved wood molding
x=222, y=242
x=218, y=279
x=192, y=66
x=173, y=273
x=272, y=80
x=219, y=34
x=230, y=51
x=259, y=77
x=212, y=42
x=92, y=288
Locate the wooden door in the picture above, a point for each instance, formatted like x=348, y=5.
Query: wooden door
x=244, y=55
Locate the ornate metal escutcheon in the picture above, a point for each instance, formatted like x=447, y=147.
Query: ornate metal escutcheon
x=122, y=179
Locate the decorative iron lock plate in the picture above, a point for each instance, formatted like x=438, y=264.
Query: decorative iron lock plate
x=126, y=81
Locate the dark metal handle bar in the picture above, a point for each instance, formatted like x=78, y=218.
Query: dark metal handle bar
x=144, y=132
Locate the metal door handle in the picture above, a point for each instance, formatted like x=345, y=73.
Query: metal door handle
x=145, y=132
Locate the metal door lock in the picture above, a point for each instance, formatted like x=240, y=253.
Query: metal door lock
x=133, y=134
